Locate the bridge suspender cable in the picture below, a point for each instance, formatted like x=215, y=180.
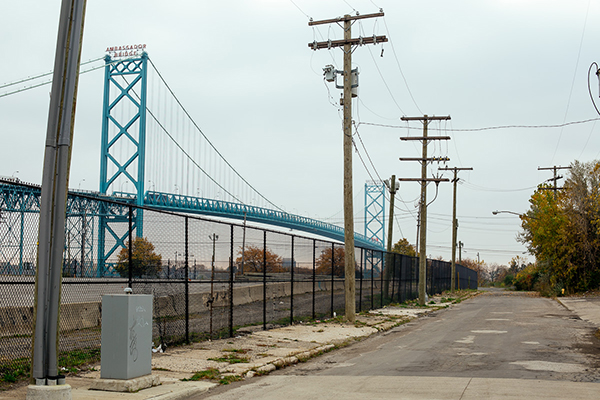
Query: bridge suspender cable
x=209, y=142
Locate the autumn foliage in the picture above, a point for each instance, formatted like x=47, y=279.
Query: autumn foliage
x=402, y=246
x=324, y=261
x=145, y=261
x=562, y=230
x=254, y=258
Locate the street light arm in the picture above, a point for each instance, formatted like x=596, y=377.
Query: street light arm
x=496, y=212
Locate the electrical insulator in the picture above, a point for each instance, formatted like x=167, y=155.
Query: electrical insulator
x=598, y=75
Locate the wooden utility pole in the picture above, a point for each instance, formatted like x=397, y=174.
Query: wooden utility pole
x=454, y=223
x=460, y=246
x=387, y=272
x=423, y=202
x=555, y=178
x=347, y=43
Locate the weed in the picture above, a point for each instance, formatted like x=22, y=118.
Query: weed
x=211, y=373
x=72, y=361
x=226, y=380
x=231, y=359
x=237, y=351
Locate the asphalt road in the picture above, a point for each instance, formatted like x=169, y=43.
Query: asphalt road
x=496, y=345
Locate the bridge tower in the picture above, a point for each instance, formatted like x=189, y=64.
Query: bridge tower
x=375, y=211
x=375, y=220
x=122, y=154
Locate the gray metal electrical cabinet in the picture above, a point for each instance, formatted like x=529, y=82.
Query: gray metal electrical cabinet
x=126, y=350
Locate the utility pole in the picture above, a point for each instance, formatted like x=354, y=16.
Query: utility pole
x=393, y=188
x=423, y=203
x=555, y=178
x=460, y=246
x=347, y=43
x=454, y=223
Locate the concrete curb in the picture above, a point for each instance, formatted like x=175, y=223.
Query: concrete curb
x=184, y=392
x=588, y=309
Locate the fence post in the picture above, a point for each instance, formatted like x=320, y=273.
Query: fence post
x=372, y=266
x=361, y=280
x=292, y=286
x=314, y=277
x=381, y=282
x=187, y=286
x=392, y=261
x=332, y=268
x=231, y=277
x=265, y=280
x=130, y=251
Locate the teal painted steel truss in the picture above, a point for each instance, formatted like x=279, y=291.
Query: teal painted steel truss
x=375, y=211
x=123, y=148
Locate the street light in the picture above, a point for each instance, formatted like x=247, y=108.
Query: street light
x=83, y=180
x=176, y=188
x=14, y=173
x=496, y=212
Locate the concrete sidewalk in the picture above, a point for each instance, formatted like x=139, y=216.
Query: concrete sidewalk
x=252, y=352
x=586, y=307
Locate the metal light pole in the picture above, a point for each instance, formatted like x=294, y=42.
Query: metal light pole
x=55, y=179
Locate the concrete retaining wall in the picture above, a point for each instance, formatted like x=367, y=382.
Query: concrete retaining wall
x=74, y=316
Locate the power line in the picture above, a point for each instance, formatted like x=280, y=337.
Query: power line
x=574, y=76
x=42, y=75
x=472, y=186
x=382, y=78
x=399, y=67
x=41, y=83
x=489, y=128
x=299, y=9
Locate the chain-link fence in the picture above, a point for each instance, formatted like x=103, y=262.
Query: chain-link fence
x=208, y=278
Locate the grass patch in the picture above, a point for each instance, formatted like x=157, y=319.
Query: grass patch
x=231, y=359
x=211, y=373
x=226, y=380
x=237, y=351
x=73, y=360
x=14, y=371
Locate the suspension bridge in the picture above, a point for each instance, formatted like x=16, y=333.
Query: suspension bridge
x=153, y=154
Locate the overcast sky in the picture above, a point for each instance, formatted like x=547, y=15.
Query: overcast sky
x=246, y=75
